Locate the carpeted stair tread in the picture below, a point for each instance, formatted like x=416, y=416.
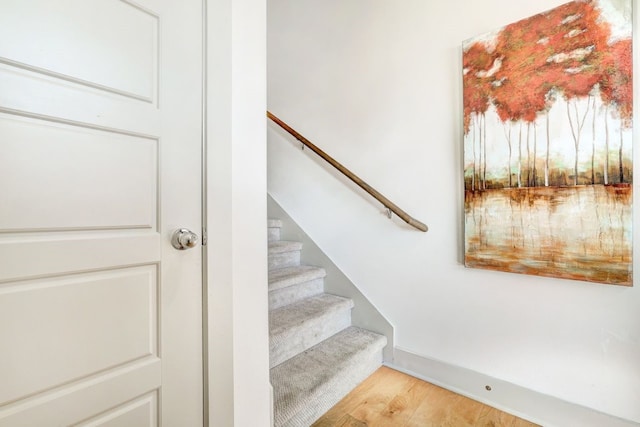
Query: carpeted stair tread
x=304, y=311
x=296, y=327
x=290, y=285
x=283, y=253
x=282, y=246
x=292, y=294
x=309, y=384
x=289, y=276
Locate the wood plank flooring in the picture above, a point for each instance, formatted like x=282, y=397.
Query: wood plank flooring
x=389, y=398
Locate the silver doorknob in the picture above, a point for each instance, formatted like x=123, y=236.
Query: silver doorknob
x=184, y=239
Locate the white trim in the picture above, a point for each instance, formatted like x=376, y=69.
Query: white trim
x=525, y=403
x=204, y=218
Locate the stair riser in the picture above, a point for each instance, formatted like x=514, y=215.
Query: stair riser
x=302, y=337
x=273, y=234
x=281, y=297
x=284, y=259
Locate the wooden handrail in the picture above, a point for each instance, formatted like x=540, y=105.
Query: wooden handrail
x=353, y=177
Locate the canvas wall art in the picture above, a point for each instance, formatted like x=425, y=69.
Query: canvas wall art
x=548, y=145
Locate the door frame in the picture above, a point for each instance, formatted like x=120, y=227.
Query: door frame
x=237, y=339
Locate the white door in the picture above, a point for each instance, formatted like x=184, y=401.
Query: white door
x=100, y=130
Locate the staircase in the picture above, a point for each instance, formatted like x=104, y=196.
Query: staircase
x=316, y=356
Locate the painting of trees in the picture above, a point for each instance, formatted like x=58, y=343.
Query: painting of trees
x=548, y=110
x=567, y=53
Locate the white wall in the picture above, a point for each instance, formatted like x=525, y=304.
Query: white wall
x=377, y=84
x=239, y=386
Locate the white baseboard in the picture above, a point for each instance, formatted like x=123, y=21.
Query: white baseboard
x=533, y=406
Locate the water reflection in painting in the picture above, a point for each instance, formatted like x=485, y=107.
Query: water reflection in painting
x=572, y=232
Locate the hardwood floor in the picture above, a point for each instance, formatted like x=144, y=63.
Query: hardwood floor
x=389, y=398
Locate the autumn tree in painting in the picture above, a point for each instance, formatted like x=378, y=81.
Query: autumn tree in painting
x=616, y=88
x=577, y=69
x=520, y=86
x=565, y=52
x=477, y=88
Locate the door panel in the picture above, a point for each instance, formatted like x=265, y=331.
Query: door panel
x=141, y=412
x=33, y=153
x=100, y=130
x=31, y=255
x=71, y=404
x=95, y=310
x=108, y=44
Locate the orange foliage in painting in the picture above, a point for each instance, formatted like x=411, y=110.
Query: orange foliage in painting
x=563, y=51
x=616, y=85
x=477, y=90
x=522, y=82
